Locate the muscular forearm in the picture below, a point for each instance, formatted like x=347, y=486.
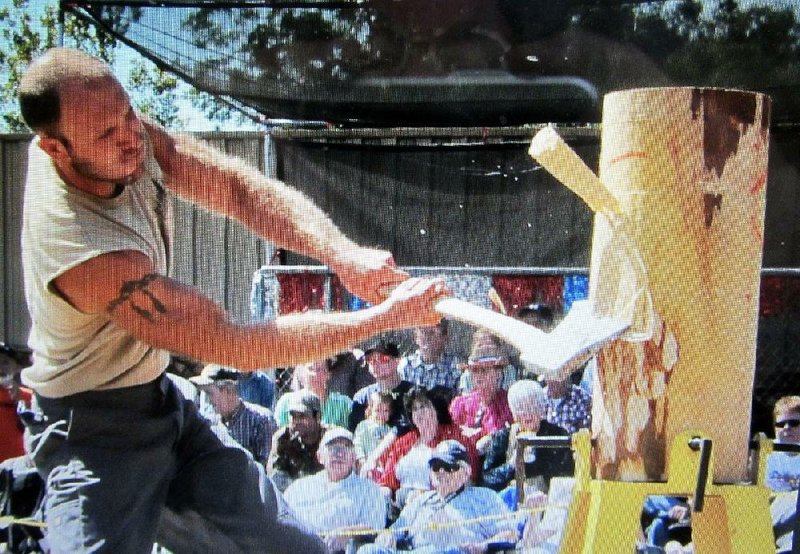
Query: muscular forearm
x=228, y=185
x=169, y=315
x=288, y=340
x=295, y=339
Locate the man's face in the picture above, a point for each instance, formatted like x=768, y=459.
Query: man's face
x=528, y=420
x=304, y=424
x=104, y=136
x=315, y=375
x=382, y=366
x=431, y=341
x=447, y=478
x=224, y=398
x=486, y=381
x=787, y=427
x=339, y=458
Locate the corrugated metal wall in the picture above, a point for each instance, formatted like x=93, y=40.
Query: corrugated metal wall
x=213, y=253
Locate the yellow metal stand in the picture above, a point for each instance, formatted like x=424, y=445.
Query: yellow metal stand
x=604, y=517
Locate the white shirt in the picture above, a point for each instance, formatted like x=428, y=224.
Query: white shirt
x=323, y=505
x=413, y=470
x=62, y=228
x=783, y=471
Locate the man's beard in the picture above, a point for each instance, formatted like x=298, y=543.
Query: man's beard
x=86, y=170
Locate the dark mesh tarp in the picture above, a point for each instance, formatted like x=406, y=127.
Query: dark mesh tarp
x=460, y=62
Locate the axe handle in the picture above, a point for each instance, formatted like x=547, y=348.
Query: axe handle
x=518, y=334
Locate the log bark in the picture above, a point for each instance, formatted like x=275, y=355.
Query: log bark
x=688, y=168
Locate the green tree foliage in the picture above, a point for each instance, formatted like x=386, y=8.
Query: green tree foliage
x=730, y=45
x=28, y=28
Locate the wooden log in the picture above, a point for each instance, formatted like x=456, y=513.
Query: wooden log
x=688, y=169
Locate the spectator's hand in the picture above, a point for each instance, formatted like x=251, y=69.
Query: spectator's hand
x=338, y=539
x=473, y=548
x=470, y=432
x=412, y=303
x=386, y=540
x=534, y=534
x=368, y=273
x=678, y=513
x=535, y=500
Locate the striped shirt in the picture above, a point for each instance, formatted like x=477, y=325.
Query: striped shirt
x=252, y=426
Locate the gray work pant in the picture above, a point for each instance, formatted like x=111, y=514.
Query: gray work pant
x=121, y=463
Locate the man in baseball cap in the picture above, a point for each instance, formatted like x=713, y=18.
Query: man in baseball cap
x=336, y=499
x=212, y=373
x=251, y=425
x=464, y=514
x=383, y=357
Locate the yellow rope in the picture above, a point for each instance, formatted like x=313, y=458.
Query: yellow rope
x=26, y=521
x=435, y=526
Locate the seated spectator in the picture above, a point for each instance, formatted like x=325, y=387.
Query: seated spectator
x=431, y=365
x=783, y=512
x=251, y=425
x=179, y=532
x=783, y=472
x=403, y=466
x=314, y=377
x=485, y=410
x=453, y=517
x=569, y=406
x=12, y=362
x=528, y=404
x=294, y=446
x=256, y=387
x=382, y=360
x=483, y=338
x=666, y=519
x=349, y=373
x=370, y=432
x=783, y=468
x=336, y=500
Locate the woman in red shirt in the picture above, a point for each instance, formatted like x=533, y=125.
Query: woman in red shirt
x=403, y=466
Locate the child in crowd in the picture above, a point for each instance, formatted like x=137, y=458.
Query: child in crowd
x=370, y=432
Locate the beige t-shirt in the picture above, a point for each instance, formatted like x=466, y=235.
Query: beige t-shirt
x=62, y=228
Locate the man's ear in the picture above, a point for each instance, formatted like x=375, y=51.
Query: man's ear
x=53, y=147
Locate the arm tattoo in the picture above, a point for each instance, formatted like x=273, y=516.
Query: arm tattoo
x=129, y=288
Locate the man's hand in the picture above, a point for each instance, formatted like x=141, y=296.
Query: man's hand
x=337, y=540
x=413, y=302
x=678, y=513
x=368, y=273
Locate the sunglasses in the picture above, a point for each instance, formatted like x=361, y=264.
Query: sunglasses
x=437, y=466
x=339, y=448
x=788, y=423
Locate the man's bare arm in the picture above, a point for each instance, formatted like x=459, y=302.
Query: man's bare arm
x=280, y=213
x=169, y=315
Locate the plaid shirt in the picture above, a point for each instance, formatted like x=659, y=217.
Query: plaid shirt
x=252, y=426
x=573, y=412
x=444, y=373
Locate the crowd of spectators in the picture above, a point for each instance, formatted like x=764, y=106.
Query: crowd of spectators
x=423, y=455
